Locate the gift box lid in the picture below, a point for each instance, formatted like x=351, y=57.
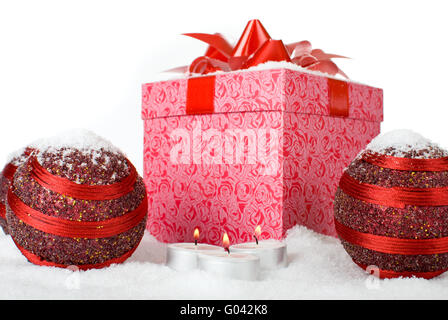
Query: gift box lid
x=278, y=89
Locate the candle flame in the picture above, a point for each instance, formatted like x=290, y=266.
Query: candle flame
x=257, y=231
x=225, y=240
x=196, y=234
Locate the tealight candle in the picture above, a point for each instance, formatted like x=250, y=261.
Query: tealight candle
x=230, y=265
x=272, y=253
x=183, y=256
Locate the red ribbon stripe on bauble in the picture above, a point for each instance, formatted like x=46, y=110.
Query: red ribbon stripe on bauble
x=79, y=229
x=81, y=191
x=397, y=197
x=406, y=164
x=2, y=211
x=8, y=173
x=76, y=229
x=392, y=245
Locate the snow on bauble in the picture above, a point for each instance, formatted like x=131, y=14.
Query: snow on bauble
x=78, y=201
x=383, y=229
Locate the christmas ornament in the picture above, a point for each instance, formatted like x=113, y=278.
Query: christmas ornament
x=391, y=207
x=78, y=202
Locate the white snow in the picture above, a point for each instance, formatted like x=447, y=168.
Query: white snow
x=402, y=141
x=319, y=268
x=83, y=140
x=270, y=65
x=292, y=66
x=16, y=157
x=80, y=139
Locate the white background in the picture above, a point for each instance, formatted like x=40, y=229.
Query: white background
x=81, y=64
x=70, y=64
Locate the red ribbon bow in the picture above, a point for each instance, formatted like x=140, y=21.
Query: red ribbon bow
x=255, y=46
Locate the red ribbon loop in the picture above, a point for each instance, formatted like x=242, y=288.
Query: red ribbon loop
x=253, y=37
x=79, y=191
x=217, y=44
x=271, y=50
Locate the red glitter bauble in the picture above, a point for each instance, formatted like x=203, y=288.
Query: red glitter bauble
x=6, y=175
x=368, y=219
x=84, y=167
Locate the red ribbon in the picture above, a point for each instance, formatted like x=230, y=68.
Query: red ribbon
x=79, y=229
x=76, y=229
x=395, y=246
x=200, y=95
x=39, y=261
x=397, y=197
x=2, y=211
x=392, y=245
x=8, y=173
x=80, y=191
x=255, y=46
x=338, y=98
x=9, y=170
x=406, y=164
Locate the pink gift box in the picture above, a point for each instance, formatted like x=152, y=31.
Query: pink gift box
x=270, y=152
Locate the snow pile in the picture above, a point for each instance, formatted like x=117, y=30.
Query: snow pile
x=80, y=139
x=85, y=141
x=401, y=142
x=17, y=157
x=270, y=65
x=292, y=66
x=319, y=268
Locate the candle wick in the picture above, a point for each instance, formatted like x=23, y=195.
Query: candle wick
x=195, y=242
x=256, y=239
x=227, y=249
